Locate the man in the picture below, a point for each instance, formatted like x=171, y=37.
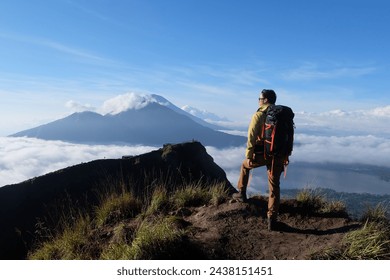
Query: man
x=254, y=157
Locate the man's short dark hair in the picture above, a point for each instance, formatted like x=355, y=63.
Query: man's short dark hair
x=270, y=95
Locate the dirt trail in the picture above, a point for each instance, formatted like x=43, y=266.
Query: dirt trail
x=239, y=231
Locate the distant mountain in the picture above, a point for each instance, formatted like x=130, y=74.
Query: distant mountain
x=153, y=124
x=203, y=114
x=186, y=110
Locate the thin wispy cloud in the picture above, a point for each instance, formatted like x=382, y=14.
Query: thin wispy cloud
x=99, y=15
x=56, y=46
x=202, y=114
x=249, y=75
x=208, y=89
x=89, y=11
x=70, y=50
x=315, y=72
x=77, y=107
x=249, y=78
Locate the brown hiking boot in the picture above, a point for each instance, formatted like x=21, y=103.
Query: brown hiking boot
x=271, y=224
x=240, y=196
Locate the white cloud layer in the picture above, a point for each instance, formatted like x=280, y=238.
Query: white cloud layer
x=347, y=149
x=368, y=150
x=374, y=121
x=25, y=158
x=350, y=151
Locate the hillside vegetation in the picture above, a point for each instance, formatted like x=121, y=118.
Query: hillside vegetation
x=125, y=226
x=357, y=204
x=197, y=221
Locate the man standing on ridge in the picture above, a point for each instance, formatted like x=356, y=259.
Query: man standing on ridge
x=254, y=157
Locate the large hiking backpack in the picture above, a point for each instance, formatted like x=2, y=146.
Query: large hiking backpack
x=278, y=132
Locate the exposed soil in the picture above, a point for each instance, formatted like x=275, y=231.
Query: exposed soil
x=236, y=230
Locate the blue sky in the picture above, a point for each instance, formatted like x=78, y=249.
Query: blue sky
x=215, y=55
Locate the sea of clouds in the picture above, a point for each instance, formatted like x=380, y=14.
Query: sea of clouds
x=342, y=163
x=24, y=158
x=372, y=121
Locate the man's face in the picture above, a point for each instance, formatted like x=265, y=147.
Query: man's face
x=262, y=100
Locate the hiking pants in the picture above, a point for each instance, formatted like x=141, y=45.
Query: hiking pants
x=273, y=181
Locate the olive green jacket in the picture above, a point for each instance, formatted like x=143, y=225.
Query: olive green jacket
x=254, y=130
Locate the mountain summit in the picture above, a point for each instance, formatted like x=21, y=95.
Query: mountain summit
x=154, y=121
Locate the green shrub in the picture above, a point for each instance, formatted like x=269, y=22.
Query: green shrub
x=311, y=199
x=159, y=202
x=191, y=195
x=370, y=242
x=154, y=239
x=333, y=207
x=219, y=193
x=117, y=251
x=117, y=207
x=315, y=202
x=71, y=244
x=375, y=214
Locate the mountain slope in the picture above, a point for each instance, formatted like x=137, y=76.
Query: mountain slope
x=153, y=124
